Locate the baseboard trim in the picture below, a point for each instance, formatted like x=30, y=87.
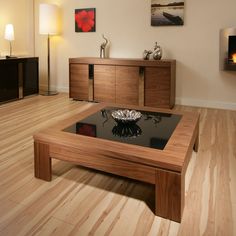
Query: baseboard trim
x=205, y=103
x=63, y=89
x=43, y=87
x=186, y=101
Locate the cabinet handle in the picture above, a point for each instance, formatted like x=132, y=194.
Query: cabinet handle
x=91, y=82
x=141, y=86
x=91, y=71
x=20, y=80
x=141, y=71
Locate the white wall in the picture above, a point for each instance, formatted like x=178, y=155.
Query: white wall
x=20, y=14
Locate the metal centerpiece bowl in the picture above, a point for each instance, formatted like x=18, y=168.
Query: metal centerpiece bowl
x=126, y=116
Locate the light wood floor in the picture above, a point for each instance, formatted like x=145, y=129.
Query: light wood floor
x=81, y=201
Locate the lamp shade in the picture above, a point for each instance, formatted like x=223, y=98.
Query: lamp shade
x=9, y=32
x=48, y=19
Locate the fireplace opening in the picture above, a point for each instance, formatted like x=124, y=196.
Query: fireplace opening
x=232, y=49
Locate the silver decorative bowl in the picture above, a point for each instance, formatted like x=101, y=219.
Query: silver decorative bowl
x=126, y=116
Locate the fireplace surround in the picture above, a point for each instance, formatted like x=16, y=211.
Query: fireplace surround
x=228, y=49
x=232, y=49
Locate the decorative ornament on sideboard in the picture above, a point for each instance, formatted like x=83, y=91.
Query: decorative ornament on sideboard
x=157, y=53
x=146, y=54
x=103, y=47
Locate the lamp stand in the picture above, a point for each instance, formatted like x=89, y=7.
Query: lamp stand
x=10, y=56
x=49, y=92
x=10, y=48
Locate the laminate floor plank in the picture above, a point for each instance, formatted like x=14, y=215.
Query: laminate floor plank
x=80, y=201
x=54, y=227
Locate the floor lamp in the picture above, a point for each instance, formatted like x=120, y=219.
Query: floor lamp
x=48, y=25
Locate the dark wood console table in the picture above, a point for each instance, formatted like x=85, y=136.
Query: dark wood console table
x=123, y=81
x=19, y=78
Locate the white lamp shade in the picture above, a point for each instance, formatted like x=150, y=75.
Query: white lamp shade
x=9, y=32
x=48, y=19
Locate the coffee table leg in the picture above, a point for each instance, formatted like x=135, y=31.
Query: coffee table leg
x=168, y=193
x=42, y=161
x=196, y=143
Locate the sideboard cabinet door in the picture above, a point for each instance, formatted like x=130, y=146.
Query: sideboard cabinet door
x=9, y=81
x=30, y=78
x=79, y=81
x=18, y=78
x=157, y=87
x=127, y=85
x=104, y=83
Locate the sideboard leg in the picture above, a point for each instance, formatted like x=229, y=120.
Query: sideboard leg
x=42, y=161
x=168, y=195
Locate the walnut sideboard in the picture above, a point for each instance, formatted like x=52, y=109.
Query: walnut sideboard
x=123, y=81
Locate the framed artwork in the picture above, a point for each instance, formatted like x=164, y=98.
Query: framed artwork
x=85, y=20
x=167, y=12
x=86, y=129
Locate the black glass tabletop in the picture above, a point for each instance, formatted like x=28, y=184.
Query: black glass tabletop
x=152, y=130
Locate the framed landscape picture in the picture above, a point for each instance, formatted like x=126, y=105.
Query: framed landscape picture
x=167, y=12
x=85, y=20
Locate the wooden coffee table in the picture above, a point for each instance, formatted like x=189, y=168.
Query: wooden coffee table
x=162, y=162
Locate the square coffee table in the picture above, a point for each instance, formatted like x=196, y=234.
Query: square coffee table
x=156, y=149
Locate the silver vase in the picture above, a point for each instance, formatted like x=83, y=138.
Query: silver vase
x=157, y=53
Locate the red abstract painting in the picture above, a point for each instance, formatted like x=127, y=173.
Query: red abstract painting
x=85, y=20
